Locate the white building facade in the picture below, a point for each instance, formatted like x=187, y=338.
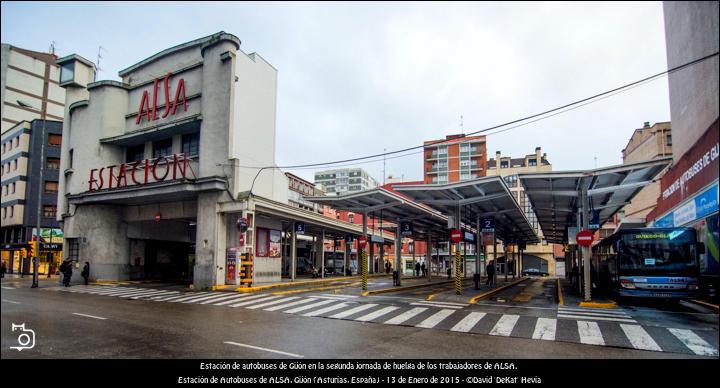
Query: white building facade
x=147, y=161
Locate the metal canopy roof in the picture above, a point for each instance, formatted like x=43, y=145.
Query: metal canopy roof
x=394, y=208
x=482, y=197
x=555, y=200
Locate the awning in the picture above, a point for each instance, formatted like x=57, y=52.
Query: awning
x=477, y=198
x=394, y=207
x=555, y=195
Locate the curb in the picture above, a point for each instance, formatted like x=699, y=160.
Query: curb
x=597, y=305
x=561, y=301
x=404, y=288
x=711, y=306
x=484, y=295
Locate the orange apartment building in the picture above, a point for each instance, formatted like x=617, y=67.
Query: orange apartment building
x=455, y=158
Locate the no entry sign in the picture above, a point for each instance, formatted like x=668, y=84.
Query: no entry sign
x=584, y=238
x=456, y=235
x=362, y=241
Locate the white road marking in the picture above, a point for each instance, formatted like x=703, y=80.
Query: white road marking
x=590, y=333
x=176, y=298
x=265, y=349
x=405, y=316
x=224, y=297
x=545, y=329
x=246, y=302
x=11, y=301
x=213, y=297
x=354, y=310
x=443, y=303
x=467, y=323
x=596, y=318
x=191, y=296
x=505, y=325
x=8, y=288
x=308, y=307
x=639, y=338
x=436, y=305
x=146, y=293
x=272, y=302
x=436, y=318
x=291, y=304
x=592, y=311
x=326, y=310
x=241, y=297
x=166, y=293
x=698, y=345
x=90, y=316
x=377, y=314
x=341, y=296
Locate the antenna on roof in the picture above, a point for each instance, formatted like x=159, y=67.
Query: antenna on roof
x=52, y=47
x=97, y=63
x=462, y=129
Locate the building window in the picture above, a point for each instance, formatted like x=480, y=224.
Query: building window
x=351, y=218
x=511, y=180
x=54, y=140
x=17, y=141
x=13, y=188
x=51, y=187
x=532, y=162
x=668, y=139
x=504, y=164
x=162, y=148
x=73, y=249
x=12, y=211
x=15, y=165
x=49, y=211
x=135, y=153
x=262, y=243
x=52, y=163
x=191, y=144
x=70, y=153
x=67, y=72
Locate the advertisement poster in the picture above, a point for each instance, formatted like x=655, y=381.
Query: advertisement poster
x=50, y=235
x=275, y=244
x=231, y=266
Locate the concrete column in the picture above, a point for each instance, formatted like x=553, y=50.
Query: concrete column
x=494, y=257
x=371, y=257
x=478, y=244
x=293, y=253
x=398, y=252
x=514, y=265
x=346, y=256
x=209, y=262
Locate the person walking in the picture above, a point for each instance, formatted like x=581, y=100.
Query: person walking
x=490, y=270
x=423, y=269
x=66, y=269
x=3, y=269
x=417, y=269
x=86, y=272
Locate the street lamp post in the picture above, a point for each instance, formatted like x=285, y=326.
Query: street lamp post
x=36, y=259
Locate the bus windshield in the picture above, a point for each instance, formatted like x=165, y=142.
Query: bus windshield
x=659, y=253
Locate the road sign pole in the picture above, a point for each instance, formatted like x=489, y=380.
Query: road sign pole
x=364, y=254
x=586, y=249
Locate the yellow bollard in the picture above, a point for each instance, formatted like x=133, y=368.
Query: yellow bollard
x=458, y=278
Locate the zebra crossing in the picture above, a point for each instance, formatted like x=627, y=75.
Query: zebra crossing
x=570, y=324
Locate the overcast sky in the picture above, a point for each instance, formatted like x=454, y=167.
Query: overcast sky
x=355, y=79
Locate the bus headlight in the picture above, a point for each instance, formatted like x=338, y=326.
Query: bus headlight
x=693, y=287
x=627, y=284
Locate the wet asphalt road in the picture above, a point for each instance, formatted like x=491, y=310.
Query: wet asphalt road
x=72, y=325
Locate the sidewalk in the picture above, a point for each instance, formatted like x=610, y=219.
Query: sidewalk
x=469, y=292
x=572, y=298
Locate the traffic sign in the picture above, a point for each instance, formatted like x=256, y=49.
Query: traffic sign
x=406, y=228
x=362, y=241
x=456, y=235
x=487, y=224
x=594, y=223
x=300, y=227
x=584, y=238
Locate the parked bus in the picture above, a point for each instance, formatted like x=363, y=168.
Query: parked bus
x=649, y=263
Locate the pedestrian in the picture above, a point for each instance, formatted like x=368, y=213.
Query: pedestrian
x=3, y=269
x=424, y=269
x=66, y=269
x=387, y=267
x=86, y=272
x=490, y=270
x=417, y=269
x=574, y=275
